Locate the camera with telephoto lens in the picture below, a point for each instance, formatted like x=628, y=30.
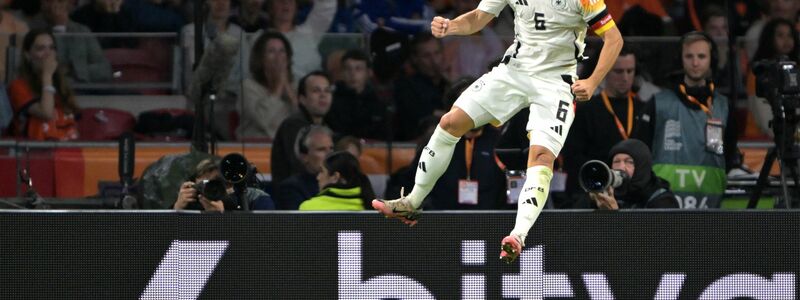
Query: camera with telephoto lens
x=777, y=81
x=596, y=176
x=213, y=189
x=234, y=169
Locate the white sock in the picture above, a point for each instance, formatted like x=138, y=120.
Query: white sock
x=433, y=162
x=531, y=199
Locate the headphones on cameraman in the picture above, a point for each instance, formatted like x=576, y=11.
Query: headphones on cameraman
x=300, y=146
x=709, y=40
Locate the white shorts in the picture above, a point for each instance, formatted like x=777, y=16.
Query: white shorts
x=498, y=95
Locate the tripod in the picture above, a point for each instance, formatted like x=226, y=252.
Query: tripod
x=787, y=152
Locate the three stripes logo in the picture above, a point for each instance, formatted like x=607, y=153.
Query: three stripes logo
x=557, y=129
x=422, y=166
x=532, y=200
x=522, y=2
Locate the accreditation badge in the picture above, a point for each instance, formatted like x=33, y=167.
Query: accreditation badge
x=468, y=192
x=714, y=141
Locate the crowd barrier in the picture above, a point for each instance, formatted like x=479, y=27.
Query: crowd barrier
x=67, y=170
x=448, y=255
x=76, y=169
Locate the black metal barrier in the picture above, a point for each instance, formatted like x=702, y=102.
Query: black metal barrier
x=569, y=255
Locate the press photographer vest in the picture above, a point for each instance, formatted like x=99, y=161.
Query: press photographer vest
x=696, y=175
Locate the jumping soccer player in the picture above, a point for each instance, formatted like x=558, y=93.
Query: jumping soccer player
x=538, y=71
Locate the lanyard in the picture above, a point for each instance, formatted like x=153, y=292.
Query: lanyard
x=707, y=107
x=468, y=147
x=624, y=133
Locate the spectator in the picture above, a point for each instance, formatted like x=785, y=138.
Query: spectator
x=778, y=39
x=314, y=97
x=44, y=104
x=469, y=56
x=129, y=16
x=80, y=54
x=208, y=170
x=716, y=26
x=691, y=130
x=774, y=9
x=105, y=16
x=10, y=27
x=643, y=189
x=356, y=109
x=604, y=121
x=420, y=95
x=342, y=185
x=312, y=145
x=637, y=21
x=350, y=144
x=410, y=18
x=617, y=8
x=157, y=15
x=251, y=16
x=268, y=96
x=305, y=37
x=473, y=180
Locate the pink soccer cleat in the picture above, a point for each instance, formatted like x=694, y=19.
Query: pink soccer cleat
x=510, y=248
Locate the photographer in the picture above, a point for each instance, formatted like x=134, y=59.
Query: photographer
x=642, y=189
x=190, y=198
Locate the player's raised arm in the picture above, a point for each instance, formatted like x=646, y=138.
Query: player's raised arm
x=612, y=44
x=601, y=22
x=465, y=24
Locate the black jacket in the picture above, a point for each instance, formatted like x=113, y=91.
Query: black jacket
x=361, y=115
x=593, y=133
x=283, y=159
x=644, y=189
x=484, y=169
x=416, y=98
x=295, y=189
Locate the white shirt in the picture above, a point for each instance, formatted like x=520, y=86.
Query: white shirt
x=549, y=34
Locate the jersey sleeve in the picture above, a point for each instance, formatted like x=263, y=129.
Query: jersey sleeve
x=596, y=16
x=20, y=94
x=493, y=7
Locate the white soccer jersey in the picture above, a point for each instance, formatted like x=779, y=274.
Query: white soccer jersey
x=549, y=34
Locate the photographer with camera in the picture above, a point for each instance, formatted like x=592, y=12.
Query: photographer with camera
x=632, y=173
x=207, y=190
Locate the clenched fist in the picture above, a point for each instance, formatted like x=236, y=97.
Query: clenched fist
x=583, y=89
x=439, y=26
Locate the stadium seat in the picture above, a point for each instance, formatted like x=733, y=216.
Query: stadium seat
x=137, y=66
x=104, y=123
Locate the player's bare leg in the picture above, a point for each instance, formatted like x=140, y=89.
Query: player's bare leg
x=433, y=162
x=531, y=201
